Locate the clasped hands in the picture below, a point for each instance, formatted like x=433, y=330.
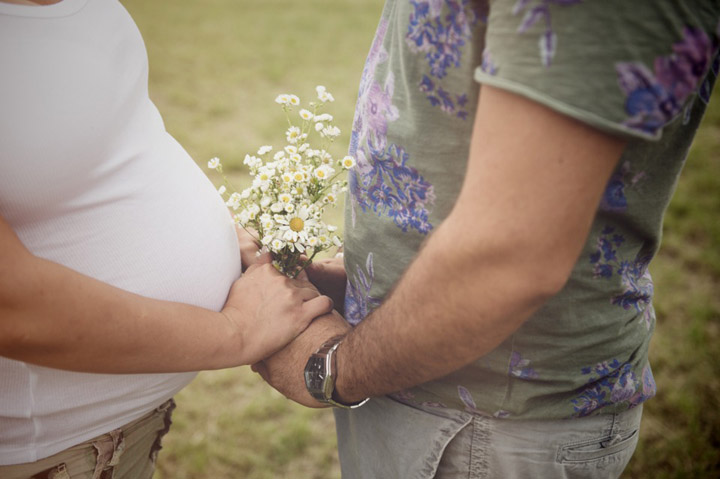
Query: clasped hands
x=283, y=370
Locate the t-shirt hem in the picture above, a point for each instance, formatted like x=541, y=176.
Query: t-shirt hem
x=584, y=116
x=38, y=452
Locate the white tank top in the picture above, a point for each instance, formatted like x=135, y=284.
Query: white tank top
x=90, y=179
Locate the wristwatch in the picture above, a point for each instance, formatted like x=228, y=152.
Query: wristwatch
x=320, y=374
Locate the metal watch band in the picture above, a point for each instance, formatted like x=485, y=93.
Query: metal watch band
x=323, y=364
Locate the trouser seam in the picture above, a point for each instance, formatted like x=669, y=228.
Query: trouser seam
x=479, y=443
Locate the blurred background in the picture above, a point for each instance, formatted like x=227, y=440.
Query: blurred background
x=215, y=69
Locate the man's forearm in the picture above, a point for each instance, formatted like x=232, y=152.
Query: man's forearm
x=438, y=319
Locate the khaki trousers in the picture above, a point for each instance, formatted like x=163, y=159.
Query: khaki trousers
x=128, y=452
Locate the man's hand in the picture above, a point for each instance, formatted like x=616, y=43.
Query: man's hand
x=328, y=275
x=284, y=370
x=249, y=247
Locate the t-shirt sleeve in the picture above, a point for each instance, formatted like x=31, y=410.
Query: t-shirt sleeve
x=628, y=68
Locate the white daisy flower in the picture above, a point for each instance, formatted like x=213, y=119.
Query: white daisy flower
x=305, y=114
x=285, y=198
x=319, y=126
x=348, y=162
x=264, y=176
x=277, y=244
x=277, y=207
x=297, y=226
x=291, y=149
x=214, y=163
x=325, y=157
x=279, y=155
x=267, y=224
x=323, y=95
x=323, y=172
x=323, y=117
x=252, y=161
x=234, y=201
x=289, y=235
x=293, y=134
x=294, y=100
x=222, y=189
x=330, y=131
x=264, y=149
x=282, y=99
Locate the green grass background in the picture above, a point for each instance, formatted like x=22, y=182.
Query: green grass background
x=215, y=68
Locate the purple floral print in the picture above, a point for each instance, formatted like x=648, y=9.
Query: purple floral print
x=541, y=11
x=468, y=400
x=383, y=182
x=488, y=65
x=358, y=301
x=635, y=277
x=614, y=199
x=520, y=368
x=441, y=38
x=374, y=109
x=388, y=186
x=654, y=98
x=613, y=383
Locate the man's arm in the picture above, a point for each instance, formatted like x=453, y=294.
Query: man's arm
x=533, y=183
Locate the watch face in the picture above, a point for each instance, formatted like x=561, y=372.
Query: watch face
x=315, y=374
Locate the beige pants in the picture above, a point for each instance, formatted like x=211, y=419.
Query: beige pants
x=128, y=452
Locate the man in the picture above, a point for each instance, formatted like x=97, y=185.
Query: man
x=497, y=271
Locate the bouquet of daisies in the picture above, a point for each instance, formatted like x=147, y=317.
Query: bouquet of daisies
x=292, y=186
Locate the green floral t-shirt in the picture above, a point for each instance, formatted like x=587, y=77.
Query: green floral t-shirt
x=642, y=70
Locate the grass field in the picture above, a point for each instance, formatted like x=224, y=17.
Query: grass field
x=215, y=68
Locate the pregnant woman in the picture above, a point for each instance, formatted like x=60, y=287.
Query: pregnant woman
x=119, y=263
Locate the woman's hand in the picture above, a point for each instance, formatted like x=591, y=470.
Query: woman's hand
x=328, y=275
x=267, y=309
x=249, y=247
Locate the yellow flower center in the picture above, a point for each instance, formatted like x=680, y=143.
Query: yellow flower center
x=297, y=224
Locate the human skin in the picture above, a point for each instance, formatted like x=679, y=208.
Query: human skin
x=53, y=316
x=531, y=191
x=31, y=2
